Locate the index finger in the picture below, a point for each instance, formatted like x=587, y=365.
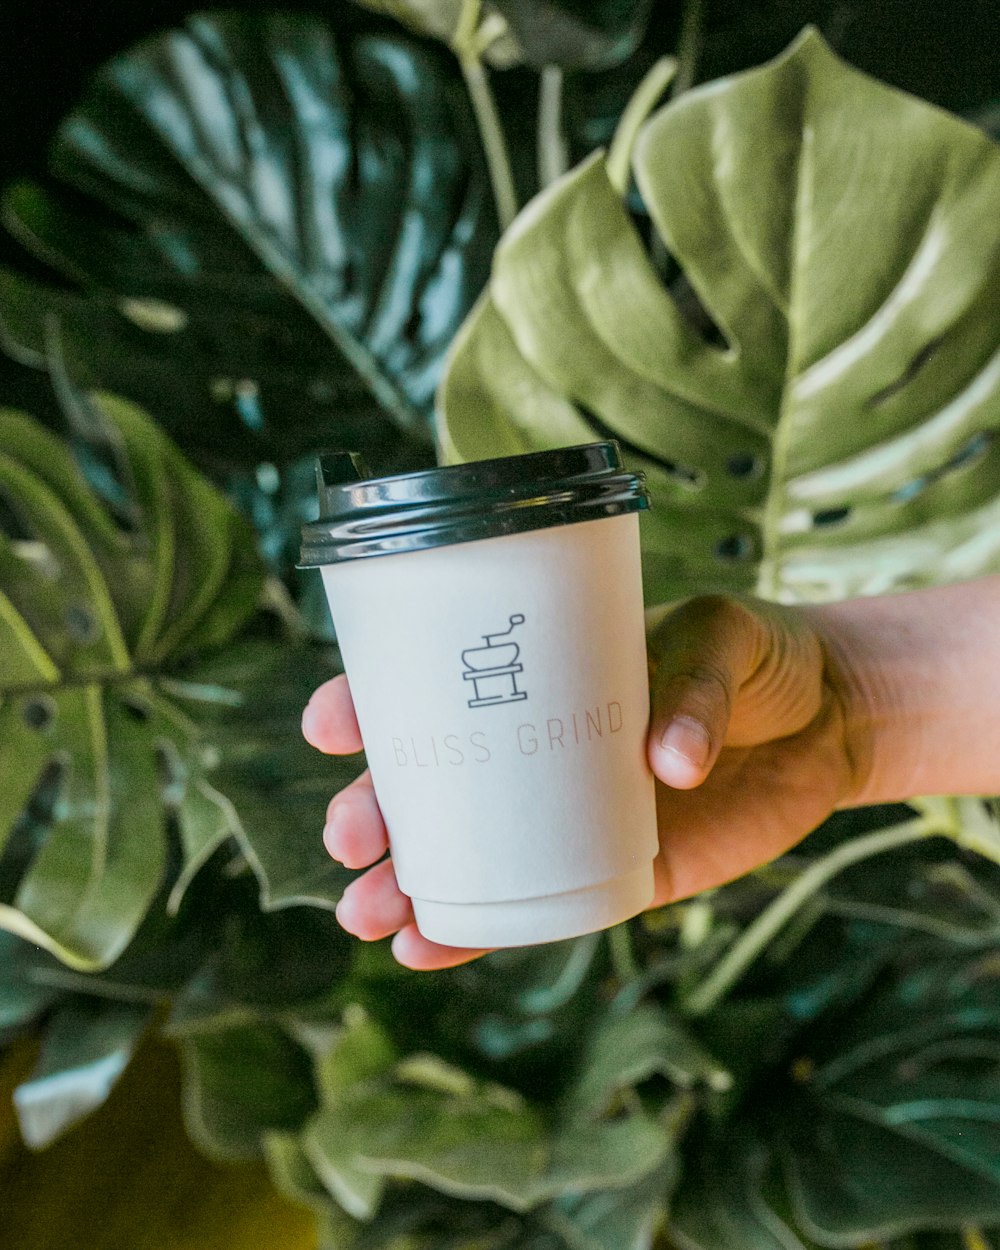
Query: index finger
x=329, y=721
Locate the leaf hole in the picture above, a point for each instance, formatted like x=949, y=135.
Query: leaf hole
x=745, y=466
x=104, y=471
x=831, y=516
x=695, y=313
x=919, y=361
x=246, y=398
x=673, y=277
x=82, y=624
x=910, y=490
x=136, y=710
x=976, y=447
x=971, y=451
x=734, y=548
x=688, y=476
x=411, y=331
x=171, y=775
x=39, y=713
x=10, y=522
x=31, y=827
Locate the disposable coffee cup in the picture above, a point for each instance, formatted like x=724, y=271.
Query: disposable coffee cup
x=490, y=619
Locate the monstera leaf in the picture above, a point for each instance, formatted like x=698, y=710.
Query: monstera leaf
x=284, y=223
x=97, y=599
x=813, y=383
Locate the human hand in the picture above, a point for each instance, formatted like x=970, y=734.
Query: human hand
x=750, y=740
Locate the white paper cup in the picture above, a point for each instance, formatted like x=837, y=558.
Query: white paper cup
x=501, y=688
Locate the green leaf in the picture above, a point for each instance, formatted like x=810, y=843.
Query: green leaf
x=96, y=599
x=282, y=963
x=251, y=160
x=720, y=1204
x=293, y=1176
x=86, y=1047
x=815, y=395
x=617, y=1219
x=241, y=1083
x=361, y=1052
x=923, y=889
x=645, y=1042
x=426, y=1120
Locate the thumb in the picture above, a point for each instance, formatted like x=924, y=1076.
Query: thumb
x=700, y=655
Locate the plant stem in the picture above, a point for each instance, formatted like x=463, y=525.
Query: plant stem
x=466, y=47
x=642, y=103
x=553, y=158
x=494, y=144
x=755, y=938
x=688, y=47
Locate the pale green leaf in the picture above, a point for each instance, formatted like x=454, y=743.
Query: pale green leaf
x=815, y=399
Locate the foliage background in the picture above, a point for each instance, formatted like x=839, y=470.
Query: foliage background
x=806, y=1058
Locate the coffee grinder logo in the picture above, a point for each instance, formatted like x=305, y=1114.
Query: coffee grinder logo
x=493, y=669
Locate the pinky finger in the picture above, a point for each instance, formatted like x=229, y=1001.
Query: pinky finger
x=413, y=950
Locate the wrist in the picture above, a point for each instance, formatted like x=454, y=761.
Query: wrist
x=917, y=678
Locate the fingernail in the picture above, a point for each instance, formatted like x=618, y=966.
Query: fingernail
x=343, y=911
x=310, y=720
x=689, y=739
x=331, y=832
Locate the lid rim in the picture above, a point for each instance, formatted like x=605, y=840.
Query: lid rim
x=476, y=500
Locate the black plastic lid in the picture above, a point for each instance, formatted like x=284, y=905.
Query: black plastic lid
x=362, y=515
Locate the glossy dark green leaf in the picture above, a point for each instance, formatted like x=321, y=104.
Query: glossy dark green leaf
x=251, y=160
x=23, y=998
x=98, y=596
x=720, y=1205
x=815, y=398
x=280, y=785
x=238, y=378
x=907, y=1087
x=926, y=889
x=86, y=1047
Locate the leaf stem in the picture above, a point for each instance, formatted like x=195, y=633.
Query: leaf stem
x=642, y=103
x=491, y=133
x=467, y=49
x=688, y=47
x=756, y=937
x=553, y=157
